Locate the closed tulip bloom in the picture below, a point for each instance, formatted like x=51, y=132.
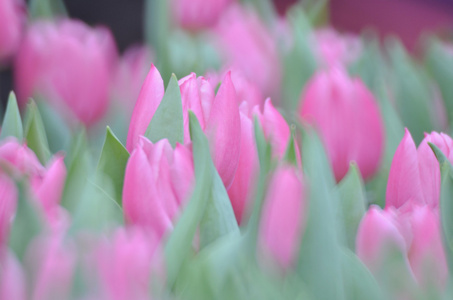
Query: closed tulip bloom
x=335, y=49
x=125, y=263
x=218, y=116
x=68, y=64
x=248, y=45
x=198, y=14
x=283, y=216
x=157, y=182
x=415, y=173
x=348, y=119
x=12, y=21
x=12, y=277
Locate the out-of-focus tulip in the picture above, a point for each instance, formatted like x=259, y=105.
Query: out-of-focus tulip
x=47, y=183
x=218, y=116
x=8, y=199
x=348, y=119
x=12, y=21
x=334, y=49
x=126, y=263
x=12, y=278
x=157, y=182
x=283, y=218
x=130, y=75
x=52, y=261
x=414, y=232
x=198, y=14
x=249, y=46
x=415, y=173
x=68, y=64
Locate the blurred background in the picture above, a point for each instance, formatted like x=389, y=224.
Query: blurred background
x=407, y=19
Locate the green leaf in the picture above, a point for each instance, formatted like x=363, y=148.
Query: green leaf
x=28, y=222
x=291, y=155
x=47, y=9
x=167, y=122
x=359, y=282
x=96, y=210
x=12, y=122
x=35, y=134
x=299, y=63
x=79, y=167
x=319, y=258
x=58, y=133
x=112, y=163
x=352, y=203
x=265, y=9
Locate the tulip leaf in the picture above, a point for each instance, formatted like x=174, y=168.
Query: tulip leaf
x=291, y=153
x=47, y=9
x=440, y=65
x=28, y=222
x=299, y=64
x=112, y=163
x=359, y=282
x=352, y=203
x=12, y=122
x=167, y=122
x=79, y=165
x=321, y=238
x=57, y=130
x=446, y=203
x=35, y=134
x=179, y=243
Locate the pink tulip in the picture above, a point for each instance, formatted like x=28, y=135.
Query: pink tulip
x=12, y=21
x=8, y=202
x=335, y=49
x=415, y=173
x=218, y=116
x=69, y=65
x=348, y=119
x=52, y=261
x=198, y=14
x=283, y=218
x=249, y=46
x=157, y=183
x=130, y=75
x=413, y=231
x=125, y=265
x=12, y=278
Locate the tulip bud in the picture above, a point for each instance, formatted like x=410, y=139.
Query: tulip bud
x=12, y=21
x=248, y=46
x=12, y=277
x=79, y=86
x=125, y=264
x=283, y=216
x=348, y=119
x=198, y=14
x=335, y=49
x=157, y=182
x=415, y=173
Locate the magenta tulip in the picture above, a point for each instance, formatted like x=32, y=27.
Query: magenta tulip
x=68, y=64
x=126, y=263
x=248, y=45
x=198, y=14
x=283, y=216
x=335, y=49
x=348, y=119
x=415, y=173
x=157, y=183
x=12, y=277
x=12, y=21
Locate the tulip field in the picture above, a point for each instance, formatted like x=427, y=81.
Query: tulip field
x=235, y=154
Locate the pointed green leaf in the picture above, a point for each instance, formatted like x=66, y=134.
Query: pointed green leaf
x=47, y=9
x=322, y=234
x=27, y=224
x=58, y=133
x=352, y=203
x=35, y=134
x=112, y=163
x=167, y=122
x=291, y=155
x=12, y=122
x=79, y=168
